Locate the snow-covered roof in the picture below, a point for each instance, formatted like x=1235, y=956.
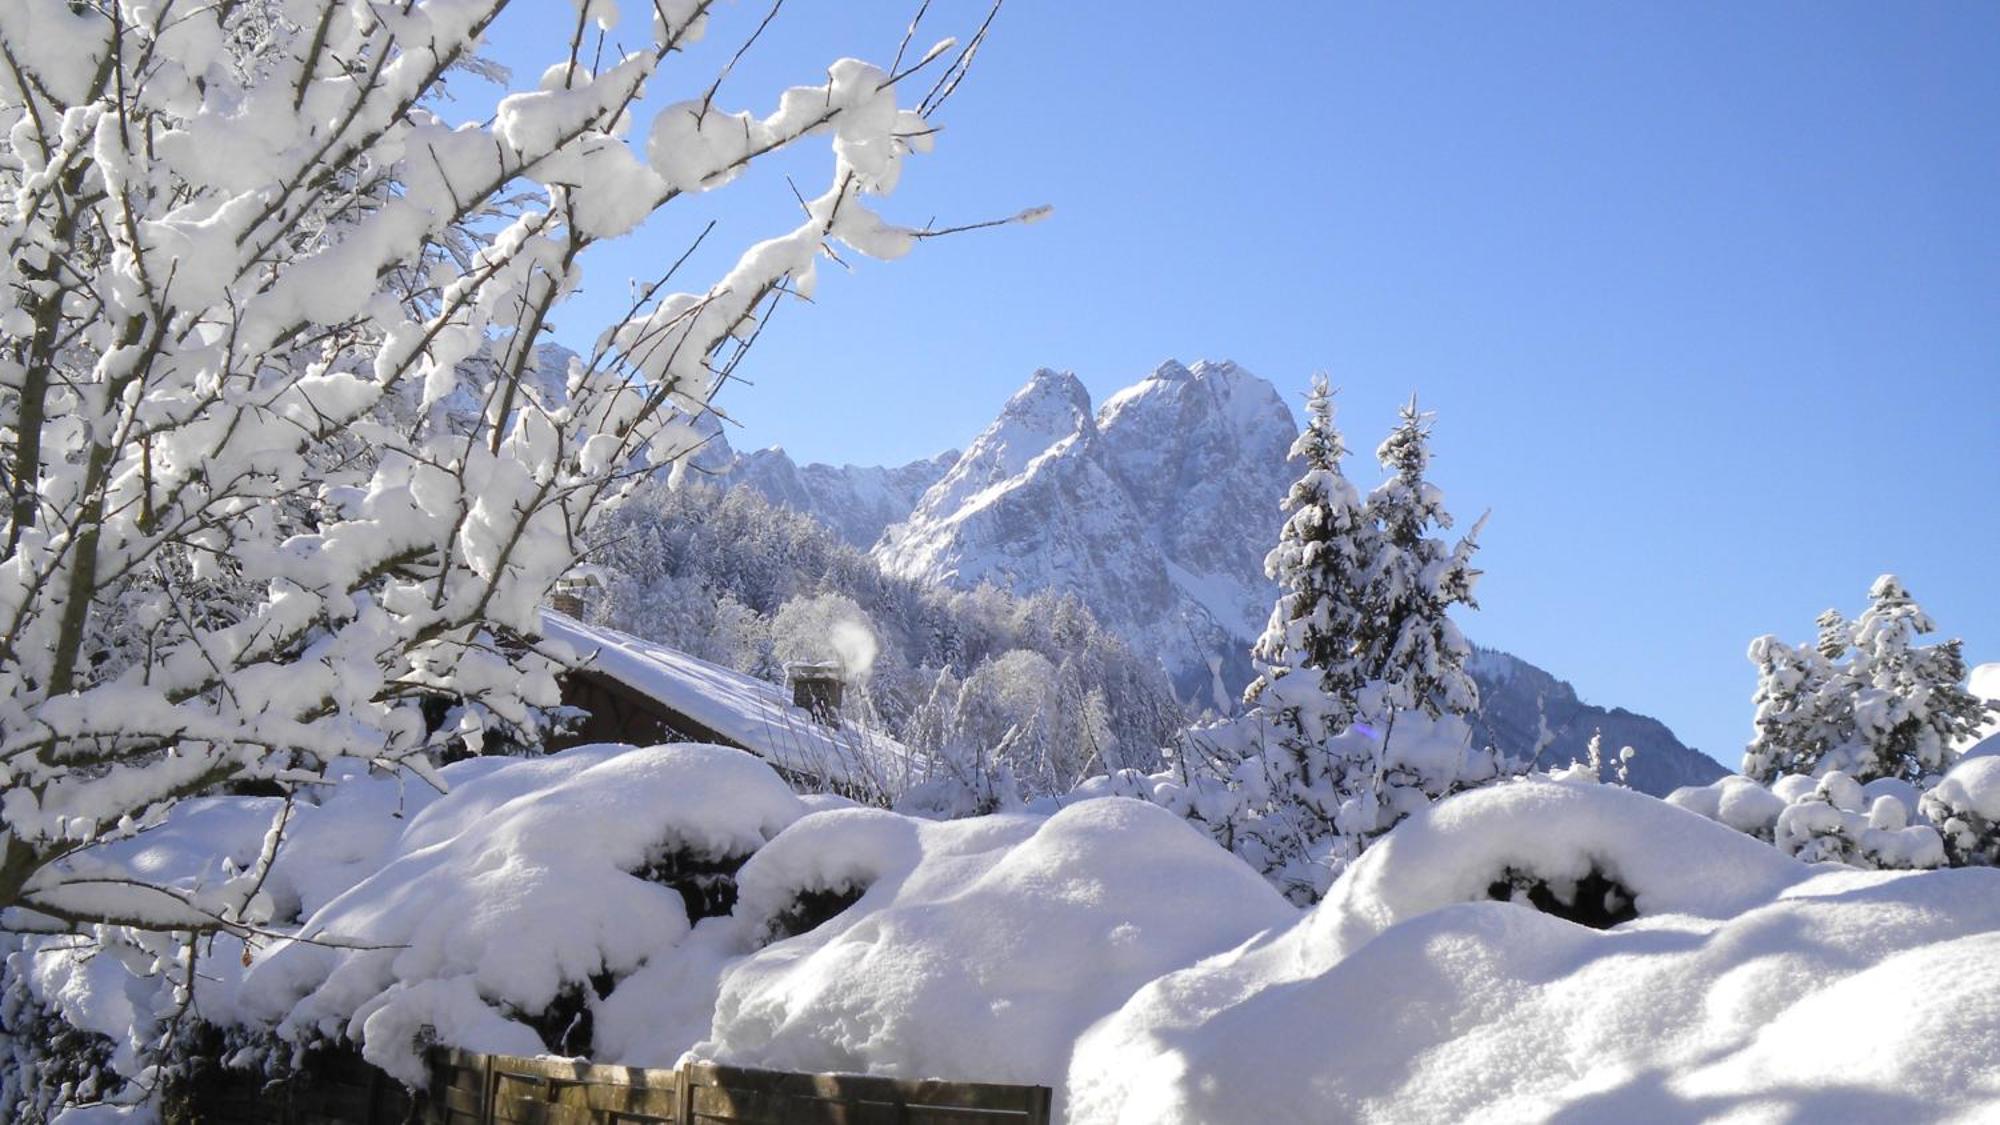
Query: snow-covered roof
x=747, y=711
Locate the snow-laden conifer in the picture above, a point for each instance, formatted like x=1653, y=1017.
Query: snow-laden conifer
x=1357, y=718
x=1865, y=698
x=1910, y=702
x=1323, y=551
x=1411, y=651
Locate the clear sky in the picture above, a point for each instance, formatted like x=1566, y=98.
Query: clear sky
x=1706, y=296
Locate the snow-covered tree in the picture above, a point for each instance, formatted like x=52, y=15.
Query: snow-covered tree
x=279, y=460
x=1801, y=699
x=1412, y=654
x=1358, y=716
x=1911, y=705
x=1864, y=698
x=1323, y=549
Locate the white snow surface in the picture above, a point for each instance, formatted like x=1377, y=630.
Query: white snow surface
x=1751, y=988
x=508, y=890
x=983, y=948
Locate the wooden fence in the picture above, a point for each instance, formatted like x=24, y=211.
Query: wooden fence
x=474, y=1089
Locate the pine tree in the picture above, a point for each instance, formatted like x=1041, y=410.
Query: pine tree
x=1795, y=699
x=1910, y=703
x=1411, y=653
x=1322, y=550
x=1308, y=778
x=1864, y=699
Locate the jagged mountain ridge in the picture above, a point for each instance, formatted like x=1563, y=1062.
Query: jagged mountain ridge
x=1156, y=508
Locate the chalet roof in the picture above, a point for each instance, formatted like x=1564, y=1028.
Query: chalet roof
x=755, y=715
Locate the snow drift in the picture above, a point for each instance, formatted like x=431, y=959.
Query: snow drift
x=1749, y=986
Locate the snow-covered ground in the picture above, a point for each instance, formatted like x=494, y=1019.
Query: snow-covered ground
x=1107, y=950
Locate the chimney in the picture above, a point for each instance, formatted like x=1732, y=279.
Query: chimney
x=572, y=589
x=816, y=687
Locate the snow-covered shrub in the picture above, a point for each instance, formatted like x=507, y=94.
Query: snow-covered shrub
x=1828, y=819
x=1965, y=807
x=1837, y=822
x=981, y=948
x=1748, y=986
x=1734, y=800
x=46, y=1062
x=520, y=889
x=1301, y=817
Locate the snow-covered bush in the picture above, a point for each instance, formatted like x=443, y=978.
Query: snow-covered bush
x=1965, y=807
x=1300, y=819
x=1828, y=819
x=1748, y=986
x=980, y=949
x=538, y=886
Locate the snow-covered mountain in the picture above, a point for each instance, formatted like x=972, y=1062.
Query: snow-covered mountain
x=857, y=502
x=1156, y=509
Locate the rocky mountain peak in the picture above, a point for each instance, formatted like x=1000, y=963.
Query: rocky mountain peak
x=1053, y=403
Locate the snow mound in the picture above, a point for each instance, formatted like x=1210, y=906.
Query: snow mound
x=527, y=882
x=1748, y=987
x=1559, y=833
x=980, y=949
x=1734, y=800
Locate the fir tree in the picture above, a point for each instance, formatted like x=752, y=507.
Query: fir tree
x=1411, y=653
x=1864, y=699
x=1794, y=699
x=1910, y=701
x=1323, y=549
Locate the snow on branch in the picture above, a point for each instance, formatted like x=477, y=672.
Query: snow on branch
x=282, y=459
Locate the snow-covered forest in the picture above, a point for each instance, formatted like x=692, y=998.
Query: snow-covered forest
x=1150, y=762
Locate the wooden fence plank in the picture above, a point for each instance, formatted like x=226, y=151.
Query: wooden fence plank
x=468, y=1088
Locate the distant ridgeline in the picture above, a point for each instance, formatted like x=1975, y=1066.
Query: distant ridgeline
x=1156, y=510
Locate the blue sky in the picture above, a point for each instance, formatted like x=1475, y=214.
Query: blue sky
x=1706, y=296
